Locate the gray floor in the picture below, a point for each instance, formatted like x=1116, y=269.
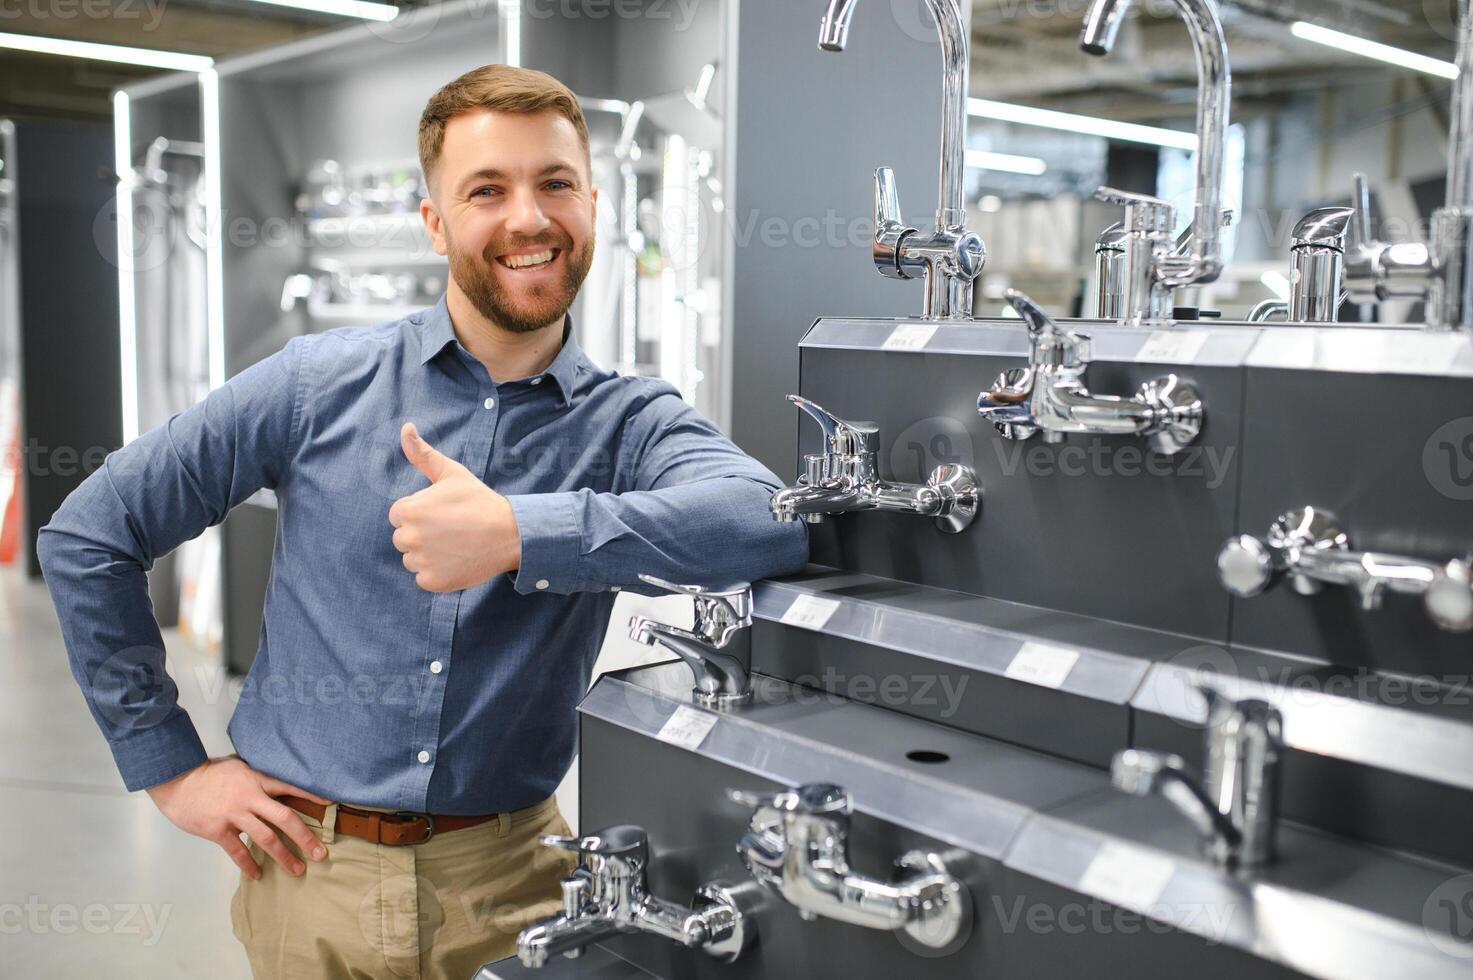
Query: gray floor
x=94, y=881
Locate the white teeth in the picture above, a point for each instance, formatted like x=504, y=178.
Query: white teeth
x=522, y=261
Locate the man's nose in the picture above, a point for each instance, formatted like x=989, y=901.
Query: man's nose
x=524, y=216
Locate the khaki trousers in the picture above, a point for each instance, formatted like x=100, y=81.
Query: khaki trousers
x=420, y=911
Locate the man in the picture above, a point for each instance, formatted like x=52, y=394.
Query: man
x=461, y=494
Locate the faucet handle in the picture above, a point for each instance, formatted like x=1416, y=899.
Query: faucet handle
x=1143, y=212
x=842, y=438
x=622, y=840
x=1053, y=346
x=891, y=231
x=810, y=798
x=728, y=605
x=1324, y=228
x=1362, y=202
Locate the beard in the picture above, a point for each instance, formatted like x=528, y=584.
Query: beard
x=523, y=310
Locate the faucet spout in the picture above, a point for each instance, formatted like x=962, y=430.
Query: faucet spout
x=538, y=944
x=1203, y=262
x=1146, y=773
x=951, y=214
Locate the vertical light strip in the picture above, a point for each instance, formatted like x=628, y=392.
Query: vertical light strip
x=511, y=31
x=127, y=285
x=209, y=91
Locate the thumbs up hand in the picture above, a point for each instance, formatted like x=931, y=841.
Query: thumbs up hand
x=457, y=532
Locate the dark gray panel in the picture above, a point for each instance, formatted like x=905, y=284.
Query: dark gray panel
x=1085, y=526
x=1036, y=717
x=595, y=963
x=1328, y=440
x=71, y=401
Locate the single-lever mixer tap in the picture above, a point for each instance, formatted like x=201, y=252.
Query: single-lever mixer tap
x=1235, y=805
x=718, y=648
x=949, y=257
x=1152, y=264
x=845, y=478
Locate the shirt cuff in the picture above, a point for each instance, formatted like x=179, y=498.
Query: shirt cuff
x=551, y=552
x=148, y=756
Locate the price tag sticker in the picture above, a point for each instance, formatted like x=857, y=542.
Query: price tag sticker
x=687, y=727
x=810, y=612
x=1127, y=877
x=909, y=336
x=1042, y=664
x=1173, y=347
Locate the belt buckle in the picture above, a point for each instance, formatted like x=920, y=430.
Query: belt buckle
x=429, y=820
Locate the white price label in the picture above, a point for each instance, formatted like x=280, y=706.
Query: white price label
x=1042, y=664
x=1127, y=877
x=909, y=336
x=687, y=728
x=810, y=612
x=1172, y=347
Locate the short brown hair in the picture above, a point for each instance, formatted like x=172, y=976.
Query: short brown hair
x=499, y=87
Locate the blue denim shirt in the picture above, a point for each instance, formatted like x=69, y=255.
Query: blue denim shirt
x=367, y=689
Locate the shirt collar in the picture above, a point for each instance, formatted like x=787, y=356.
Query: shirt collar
x=436, y=333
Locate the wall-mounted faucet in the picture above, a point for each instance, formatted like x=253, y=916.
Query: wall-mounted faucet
x=798, y=845
x=949, y=257
x=1049, y=395
x=845, y=478
x=1153, y=265
x=1310, y=548
x=1235, y=805
x=607, y=894
x=718, y=648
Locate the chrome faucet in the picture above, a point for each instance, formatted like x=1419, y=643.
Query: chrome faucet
x=718, y=649
x=797, y=845
x=1309, y=546
x=1049, y=395
x=1236, y=805
x=607, y=894
x=1438, y=272
x=845, y=478
x=1317, y=270
x=1153, y=267
x=949, y=257
x=1148, y=224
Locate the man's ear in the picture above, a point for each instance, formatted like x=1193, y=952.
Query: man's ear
x=433, y=225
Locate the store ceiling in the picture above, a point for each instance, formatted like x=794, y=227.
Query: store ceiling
x=1022, y=50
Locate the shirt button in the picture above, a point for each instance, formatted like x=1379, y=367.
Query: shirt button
x=436, y=667
x=489, y=403
x=423, y=756
x=542, y=583
x=536, y=381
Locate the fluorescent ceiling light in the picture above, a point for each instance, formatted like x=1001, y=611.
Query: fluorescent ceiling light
x=1006, y=162
x=1373, y=49
x=345, y=8
x=1090, y=125
x=147, y=57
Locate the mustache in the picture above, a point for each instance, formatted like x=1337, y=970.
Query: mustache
x=507, y=245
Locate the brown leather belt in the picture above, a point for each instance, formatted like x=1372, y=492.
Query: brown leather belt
x=385, y=828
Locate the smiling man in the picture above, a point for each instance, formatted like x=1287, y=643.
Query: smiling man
x=461, y=495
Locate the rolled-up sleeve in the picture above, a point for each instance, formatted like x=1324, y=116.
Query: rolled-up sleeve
x=160, y=490
x=697, y=511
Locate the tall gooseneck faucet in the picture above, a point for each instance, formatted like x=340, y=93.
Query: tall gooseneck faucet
x=1158, y=267
x=950, y=257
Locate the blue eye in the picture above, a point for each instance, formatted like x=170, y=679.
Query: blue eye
x=558, y=184
x=482, y=192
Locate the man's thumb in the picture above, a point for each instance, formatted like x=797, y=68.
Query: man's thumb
x=426, y=458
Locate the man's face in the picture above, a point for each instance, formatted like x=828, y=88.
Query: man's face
x=513, y=208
